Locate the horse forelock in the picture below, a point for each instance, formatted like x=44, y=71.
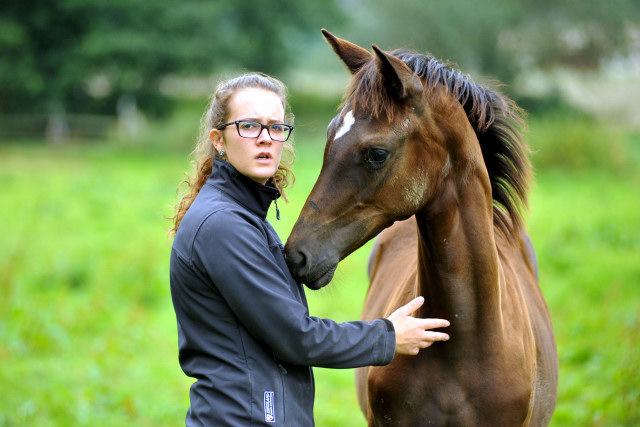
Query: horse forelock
x=367, y=95
x=494, y=117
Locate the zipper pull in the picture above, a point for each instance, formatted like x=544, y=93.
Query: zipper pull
x=277, y=210
x=280, y=367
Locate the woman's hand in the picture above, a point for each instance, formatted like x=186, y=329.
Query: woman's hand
x=412, y=333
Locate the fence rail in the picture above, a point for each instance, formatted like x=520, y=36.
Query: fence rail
x=56, y=127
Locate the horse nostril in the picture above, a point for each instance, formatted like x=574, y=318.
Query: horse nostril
x=298, y=262
x=295, y=258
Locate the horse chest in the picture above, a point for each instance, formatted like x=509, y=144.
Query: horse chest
x=404, y=394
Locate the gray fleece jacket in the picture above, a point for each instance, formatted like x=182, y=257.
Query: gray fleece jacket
x=244, y=329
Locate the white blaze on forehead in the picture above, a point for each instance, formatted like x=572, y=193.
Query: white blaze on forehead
x=347, y=122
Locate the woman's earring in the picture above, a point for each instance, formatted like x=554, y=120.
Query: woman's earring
x=223, y=153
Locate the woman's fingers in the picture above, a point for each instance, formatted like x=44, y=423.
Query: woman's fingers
x=412, y=333
x=408, y=309
x=431, y=337
x=435, y=323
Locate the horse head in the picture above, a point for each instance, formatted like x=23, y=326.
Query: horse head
x=386, y=156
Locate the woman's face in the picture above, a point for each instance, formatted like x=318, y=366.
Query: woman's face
x=256, y=158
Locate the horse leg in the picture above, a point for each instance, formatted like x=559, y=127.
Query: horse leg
x=361, y=375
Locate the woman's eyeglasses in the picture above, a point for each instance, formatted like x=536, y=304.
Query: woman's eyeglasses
x=252, y=129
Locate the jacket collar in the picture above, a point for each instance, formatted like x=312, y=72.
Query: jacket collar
x=255, y=197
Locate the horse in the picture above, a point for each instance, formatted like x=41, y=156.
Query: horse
x=436, y=167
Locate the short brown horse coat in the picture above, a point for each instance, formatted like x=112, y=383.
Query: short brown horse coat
x=438, y=150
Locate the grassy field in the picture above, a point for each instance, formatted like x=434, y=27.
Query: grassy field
x=87, y=330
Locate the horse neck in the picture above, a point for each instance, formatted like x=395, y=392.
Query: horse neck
x=458, y=269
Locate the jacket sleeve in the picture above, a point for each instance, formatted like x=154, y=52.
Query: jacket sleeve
x=234, y=253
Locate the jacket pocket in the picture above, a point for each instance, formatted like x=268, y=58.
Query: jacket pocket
x=279, y=403
x=268, y=394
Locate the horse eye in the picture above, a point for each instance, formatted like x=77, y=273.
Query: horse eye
x=376, y=157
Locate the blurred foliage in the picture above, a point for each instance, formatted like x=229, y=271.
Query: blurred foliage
x=87, y=56
x=500, y=38
x=570, y=141
x=84, y=55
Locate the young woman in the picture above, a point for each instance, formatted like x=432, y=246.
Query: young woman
x=244, y=329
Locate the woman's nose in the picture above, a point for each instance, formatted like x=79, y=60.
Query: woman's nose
x=264, y=136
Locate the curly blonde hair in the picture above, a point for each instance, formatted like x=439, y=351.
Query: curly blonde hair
x=205, y=154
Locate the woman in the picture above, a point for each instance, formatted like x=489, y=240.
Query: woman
x=244, y=329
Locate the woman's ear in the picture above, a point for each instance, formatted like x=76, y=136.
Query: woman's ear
x=216, y=139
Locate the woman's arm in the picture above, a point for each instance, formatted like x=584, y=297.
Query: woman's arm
x=234, y=253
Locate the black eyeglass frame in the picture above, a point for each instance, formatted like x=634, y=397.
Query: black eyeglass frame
x=262, y=127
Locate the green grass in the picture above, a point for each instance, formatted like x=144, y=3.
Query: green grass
x=87, y=330
x=586, y=229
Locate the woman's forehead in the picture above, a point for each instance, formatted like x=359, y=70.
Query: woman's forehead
x=255, y=102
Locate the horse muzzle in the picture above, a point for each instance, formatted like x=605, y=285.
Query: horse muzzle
x=313, y=275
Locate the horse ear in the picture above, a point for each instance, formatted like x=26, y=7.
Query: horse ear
x=351, y=54
x=398, y=78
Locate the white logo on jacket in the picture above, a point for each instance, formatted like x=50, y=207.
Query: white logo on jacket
x=269, y=407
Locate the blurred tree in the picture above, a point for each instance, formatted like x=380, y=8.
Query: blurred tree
x=85, y=55
x=500, y=38
x=463, y=31
x=573, y=33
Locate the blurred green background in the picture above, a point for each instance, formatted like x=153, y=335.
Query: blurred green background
x=100, y=104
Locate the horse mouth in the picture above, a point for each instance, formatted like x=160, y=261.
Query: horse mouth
x=322, y=279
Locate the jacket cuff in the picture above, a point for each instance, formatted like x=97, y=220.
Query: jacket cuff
x=388, y=344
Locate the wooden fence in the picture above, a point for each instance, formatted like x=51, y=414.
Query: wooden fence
x=56, y=127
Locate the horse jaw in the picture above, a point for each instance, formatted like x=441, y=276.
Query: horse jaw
x=323, y=280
